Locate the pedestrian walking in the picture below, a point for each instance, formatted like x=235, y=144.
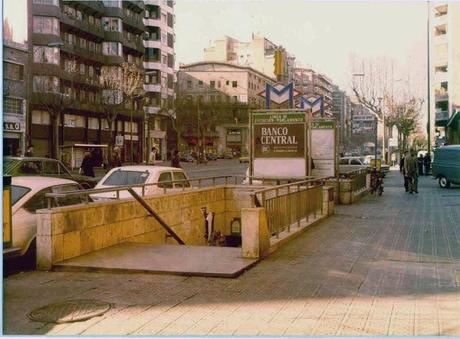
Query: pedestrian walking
x=427, y=163
x=115, y=161
x=30, y=151
x=87, y=165
x=420, y=164
x=403, y=164
x=152, y=156
x=175, y=160
x=412, y=170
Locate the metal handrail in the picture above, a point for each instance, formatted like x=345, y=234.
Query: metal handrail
x=295, y=183
x=117, y=189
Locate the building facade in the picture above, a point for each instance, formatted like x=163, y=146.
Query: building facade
x=159, y=68
x=445, y=66
x=72, y=42
x=258, y=54
x=15, y=97
x=221, y=93
x=311, y=83
x=341, y=110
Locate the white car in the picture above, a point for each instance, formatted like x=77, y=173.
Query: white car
x=138, y=175
x=28, y=196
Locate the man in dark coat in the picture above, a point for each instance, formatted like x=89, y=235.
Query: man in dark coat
x=87, y=165
x=402, y=169
x=175, y=160
x=427, y=163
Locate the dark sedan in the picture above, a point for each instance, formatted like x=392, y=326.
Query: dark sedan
x=187, y=158
x=48, y=167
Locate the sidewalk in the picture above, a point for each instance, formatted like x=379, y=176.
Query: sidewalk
x=388, y=265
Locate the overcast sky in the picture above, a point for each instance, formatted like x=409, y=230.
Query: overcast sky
x=323, y=35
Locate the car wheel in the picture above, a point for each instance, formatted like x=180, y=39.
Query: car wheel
x=443, y=182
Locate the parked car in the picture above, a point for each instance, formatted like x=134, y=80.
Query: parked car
x=187, y=158
x=139, y=175
x=211, y=156
x=244, y=159
x=362, y=161
x=228, y=155
x=31, y=166
x=446, y=165
x=28, y=196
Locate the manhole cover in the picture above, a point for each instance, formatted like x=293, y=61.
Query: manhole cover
x=69, y=311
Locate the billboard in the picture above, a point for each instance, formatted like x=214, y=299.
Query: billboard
x=279, y=143
x=323, y=148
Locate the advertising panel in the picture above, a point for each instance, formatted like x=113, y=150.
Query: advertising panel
x=272, y=141
x=323, y=146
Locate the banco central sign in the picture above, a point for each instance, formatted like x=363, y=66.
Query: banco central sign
x=279, y=141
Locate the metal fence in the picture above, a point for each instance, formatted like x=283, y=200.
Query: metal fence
x=289, y=204
x=358, y=179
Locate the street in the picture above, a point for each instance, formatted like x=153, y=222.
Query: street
x=384, y=266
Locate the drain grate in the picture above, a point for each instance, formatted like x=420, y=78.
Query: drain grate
x=69, y=311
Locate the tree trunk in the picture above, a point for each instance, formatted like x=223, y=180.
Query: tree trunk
x=55, y=138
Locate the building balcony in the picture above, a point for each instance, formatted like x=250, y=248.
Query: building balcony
x=151, y=109
x=82, y=25
x=46, y=10
x=134, y=44
x=96, y=7
x=153, y=44
x=113, y=36
x=113, y=59
x=442, y=115
x=136, y=4
x=152, y=87
x=152, y=65
x=135, y=21
x=441, y=77
x=441, y=95
x=153, y=22
x=440, y=20
x=77, y=78
x=81, y=52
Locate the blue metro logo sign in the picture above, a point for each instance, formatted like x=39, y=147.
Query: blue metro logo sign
x=279, y=93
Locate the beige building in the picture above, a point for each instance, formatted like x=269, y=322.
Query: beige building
x=225, y=90
x=312, y=83
x=445, y=64
x=259, y=54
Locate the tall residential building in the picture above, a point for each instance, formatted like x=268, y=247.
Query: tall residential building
x=445, y=67
x=224, y=91
x=259, y=54
x=312, y=83
x=341, y=110
x=15, y=96
x=71, y=42
x=159, y=67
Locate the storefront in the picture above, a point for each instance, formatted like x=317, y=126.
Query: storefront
x=158, y=140
x=234, y=140
x=13, y=134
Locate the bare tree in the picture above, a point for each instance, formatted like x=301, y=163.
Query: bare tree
x=120, y=84
x=50, y=95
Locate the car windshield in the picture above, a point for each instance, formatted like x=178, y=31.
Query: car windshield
x=8, y=164
x=119, y=178
x=17, y=192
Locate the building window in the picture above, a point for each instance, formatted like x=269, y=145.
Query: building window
x=164, y=59
x=71, y=120
x=112, y=24
x=170, y=61
x=170, y=40
x=235, y=98
x=91, y=97
x=170, y=20
x=164, y=17
x=90, y=70
x=70, y=65
x=218, y=84
x=13, y=105
x=234, y=84
x=69, y=38
x=112, y=3
x=227, y=82
x=46, y=55
x=43, y=83
x=40, y=117
x=111, y=48
x=45, y=25
x=93, y=123
x=170, y=81
x=189, y=84
x=83, y=43
x=152, y=54
x=212, y=84
x=200, y=83
x=46, y=2
x=82, y=69
x=13, y=71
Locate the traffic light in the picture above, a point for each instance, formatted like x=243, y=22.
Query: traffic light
x=279, y=69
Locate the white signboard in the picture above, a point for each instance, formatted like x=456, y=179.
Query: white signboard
x=323, y=151
x=119, y=140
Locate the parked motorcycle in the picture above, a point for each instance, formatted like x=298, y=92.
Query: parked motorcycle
x=376, y=182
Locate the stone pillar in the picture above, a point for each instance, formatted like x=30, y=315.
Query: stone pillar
x=254, y=233
x=328, y=200
x=44, y=242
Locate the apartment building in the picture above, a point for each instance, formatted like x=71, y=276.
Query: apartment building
x=341, y=110
x=445, y=68
x=15, y=96
x=71, y=41
x=159, y=67
x=258, y=54
x=312, y=83
x=226, y=91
